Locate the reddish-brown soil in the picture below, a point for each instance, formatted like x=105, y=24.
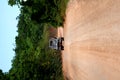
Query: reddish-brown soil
x=92, y=40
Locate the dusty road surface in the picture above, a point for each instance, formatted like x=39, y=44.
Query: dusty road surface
x=60, y=31
x=92, y=40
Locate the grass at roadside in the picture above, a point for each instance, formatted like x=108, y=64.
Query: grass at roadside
x=63, y=6
x=52, y=58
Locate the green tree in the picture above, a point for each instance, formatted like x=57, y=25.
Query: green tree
x=1, y=75
x=43, y=11
x=4, y=76
x=33, y=59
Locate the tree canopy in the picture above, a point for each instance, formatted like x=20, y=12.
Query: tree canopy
x=43, y=11
x=33, y=59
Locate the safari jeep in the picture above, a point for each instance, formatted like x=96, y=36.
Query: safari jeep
x=56, y=43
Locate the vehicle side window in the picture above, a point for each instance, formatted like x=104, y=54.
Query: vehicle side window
x=51, y=42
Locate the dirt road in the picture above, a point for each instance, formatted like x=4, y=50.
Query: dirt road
x=92, y=40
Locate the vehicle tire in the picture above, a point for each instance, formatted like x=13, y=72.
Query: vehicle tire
x=62, y=38
x=62, y=47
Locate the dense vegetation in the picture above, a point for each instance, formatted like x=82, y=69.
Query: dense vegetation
x=33, y=59
x=43, y=11
x=3, y=76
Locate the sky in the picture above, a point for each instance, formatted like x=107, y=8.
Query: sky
x=8, y=31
